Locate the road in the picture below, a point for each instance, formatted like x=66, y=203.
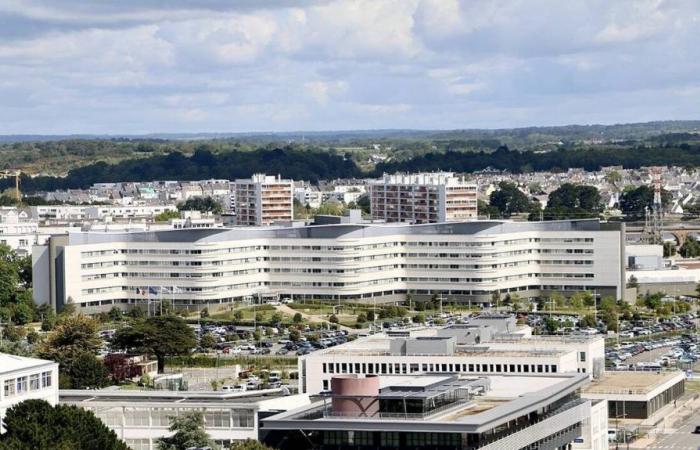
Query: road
x=680, y=438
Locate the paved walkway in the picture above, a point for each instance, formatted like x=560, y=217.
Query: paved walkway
x=675, y=430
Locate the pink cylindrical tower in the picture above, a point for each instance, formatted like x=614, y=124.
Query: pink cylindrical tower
x=354, y=396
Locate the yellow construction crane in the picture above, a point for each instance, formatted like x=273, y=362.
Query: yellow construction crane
x=16, y=174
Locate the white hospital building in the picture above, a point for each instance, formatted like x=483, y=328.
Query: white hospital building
x=463, y=261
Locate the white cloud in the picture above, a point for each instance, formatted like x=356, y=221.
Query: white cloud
x=215, y=65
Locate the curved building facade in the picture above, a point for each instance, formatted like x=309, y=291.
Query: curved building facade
x=463, y=261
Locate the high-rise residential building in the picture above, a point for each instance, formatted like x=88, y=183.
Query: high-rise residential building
x=466, y=262
x=423, y=198
x=263, y=200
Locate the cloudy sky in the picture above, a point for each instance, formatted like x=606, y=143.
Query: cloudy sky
x=140, y=66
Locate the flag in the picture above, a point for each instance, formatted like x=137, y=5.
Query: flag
x=140, y=291
x=176, y=290
x=165, y=289
x=153, y=290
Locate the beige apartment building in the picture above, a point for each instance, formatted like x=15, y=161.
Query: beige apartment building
x=263, y=200
x=423, y=198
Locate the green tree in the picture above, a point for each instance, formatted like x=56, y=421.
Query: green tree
x=571, y=201
x=361, y=318
x=165, y=216
x=551, y=326
x=249, y=444
x=35, y=424
x=72, y=337
x=207, y=341
x=137, y=312
x=23, y=314
x=588, y=321
x=635, y=201
x=276, y=317
x=115, y=314
x=13, y=333
x=238, y=315
x=333, y=318
x=690, y=248
x=9, y=281
x=204, y=313
x=419, y=318
x=297, y=318
x=508, y=199
x=160, y=336
x=189, y=432
x=331, y=209
x=88, y=372
x=201, y=204
x=363, y=203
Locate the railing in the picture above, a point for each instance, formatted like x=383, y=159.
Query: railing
x=537, y=429
x=328, y=413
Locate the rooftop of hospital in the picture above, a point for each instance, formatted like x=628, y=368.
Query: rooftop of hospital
x=132, y=397
x=13, y=363
x=347, y=231
x=631, y=382
x=464, y=340
x=469, y=403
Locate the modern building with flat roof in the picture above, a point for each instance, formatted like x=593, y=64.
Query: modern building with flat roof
x=423, y=198
x=26, y=378
x=452, y=350
x=638, y=394
x=141, y=418
x=462, y=261
x=447, y=412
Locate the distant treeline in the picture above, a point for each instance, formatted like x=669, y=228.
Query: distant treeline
x=296, y=164
x=314, y=165
x=518, y=162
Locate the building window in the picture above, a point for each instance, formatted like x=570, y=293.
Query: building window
x=582, y=356
x=9, y=388
x=389, y=439
x=46, y=379
x=363, y=438
x=335, y=438
x=21, y=385
x=34, y=382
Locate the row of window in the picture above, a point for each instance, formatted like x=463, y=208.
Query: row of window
x=161, y=417
x=335, y=248
x=408, y=368
x=21, y=385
